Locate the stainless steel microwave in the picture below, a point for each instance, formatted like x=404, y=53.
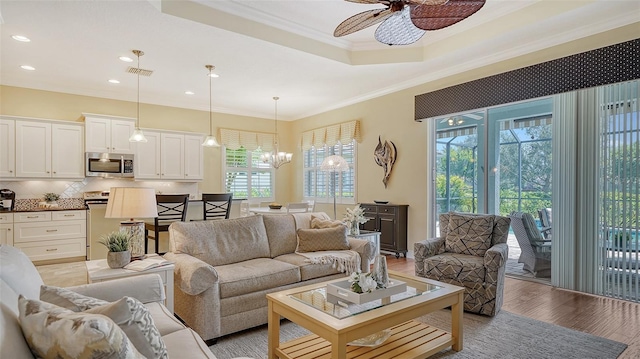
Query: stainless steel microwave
x=109, y=165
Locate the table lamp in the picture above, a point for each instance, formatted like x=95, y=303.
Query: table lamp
x=131, y=203
x=334, y=164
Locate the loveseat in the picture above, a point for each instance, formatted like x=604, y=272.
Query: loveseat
x=18, y=276
x=225, y=268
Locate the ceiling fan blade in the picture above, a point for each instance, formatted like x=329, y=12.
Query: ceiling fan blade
x=398, y=29
x=361, y=21
x=435, y=17
x=424, y=2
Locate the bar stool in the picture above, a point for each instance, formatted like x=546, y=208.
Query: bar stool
x=171, y=208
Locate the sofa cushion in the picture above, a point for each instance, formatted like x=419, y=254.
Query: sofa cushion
x=308, y=270
x=255, y=275
x=186, y=343
x=317, y=223
x=469, y=234
x=325, y=239
x=55, y=332
x=11, y=340
x=464, y=269
x=221, y=242
x=281, y=232
x=500, y=226
x=137, y=323
x=18, y=272
x=165, y=321
x=69, y=299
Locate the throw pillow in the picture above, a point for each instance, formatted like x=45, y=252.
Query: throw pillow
x=318, y=223
x=129, y=313
x=325, y=239
x=55, y=332
x=469, y=234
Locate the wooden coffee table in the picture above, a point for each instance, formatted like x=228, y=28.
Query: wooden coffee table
x=335, y=326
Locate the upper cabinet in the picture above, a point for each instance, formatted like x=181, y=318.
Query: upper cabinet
x=108, y=134
x=7, y=148
x=170, y=156
x=49, y=149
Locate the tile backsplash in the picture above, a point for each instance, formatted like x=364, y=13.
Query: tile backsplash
x=74, y=189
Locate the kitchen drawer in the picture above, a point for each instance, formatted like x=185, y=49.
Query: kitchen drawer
x=32, y=216
x=6, y=218
x=45, y=231
x=64, y=248
x=68, y=215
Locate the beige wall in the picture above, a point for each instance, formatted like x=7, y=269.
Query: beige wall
x=390, y=117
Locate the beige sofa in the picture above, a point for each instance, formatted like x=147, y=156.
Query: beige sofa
x=225, y=268
x=19, y=276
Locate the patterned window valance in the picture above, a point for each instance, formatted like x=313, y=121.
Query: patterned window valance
x=342, y=132
x=234, y=139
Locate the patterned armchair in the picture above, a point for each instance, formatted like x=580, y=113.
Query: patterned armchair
x=472, y=253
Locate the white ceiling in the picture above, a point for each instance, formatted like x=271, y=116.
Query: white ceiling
x=266, y=48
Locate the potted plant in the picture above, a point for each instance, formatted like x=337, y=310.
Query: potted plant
x=50, y=199
x=118, y=245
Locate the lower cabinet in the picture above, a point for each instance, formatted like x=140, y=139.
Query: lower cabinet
x=391, y=221
x=6, y=228
x=51, y=235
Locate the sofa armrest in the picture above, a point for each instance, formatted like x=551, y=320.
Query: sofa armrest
x=192, y=275
x=146, y=288
x=425, y=249
x=496, y=257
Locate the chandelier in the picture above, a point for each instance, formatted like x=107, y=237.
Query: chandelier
x=276, y=158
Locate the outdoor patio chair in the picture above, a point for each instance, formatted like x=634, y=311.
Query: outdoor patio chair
x=545, y=220
x=535, y=249
x=471, y=252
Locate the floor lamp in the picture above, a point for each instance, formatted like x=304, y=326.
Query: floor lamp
x=333, y=164
x=132, y=202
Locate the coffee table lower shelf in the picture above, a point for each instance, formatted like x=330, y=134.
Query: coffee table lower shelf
x=411, y=339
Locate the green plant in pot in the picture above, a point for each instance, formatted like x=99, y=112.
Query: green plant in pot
x=51, y=197
x=118, y=245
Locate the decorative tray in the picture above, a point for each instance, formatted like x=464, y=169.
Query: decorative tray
x=342, y=291
x=275, y=206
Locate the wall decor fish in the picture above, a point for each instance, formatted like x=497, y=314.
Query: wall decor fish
x=385, y=157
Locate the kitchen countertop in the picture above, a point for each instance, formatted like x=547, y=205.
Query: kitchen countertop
x=46, y=210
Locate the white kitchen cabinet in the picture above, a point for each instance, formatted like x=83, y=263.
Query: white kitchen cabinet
x=172, y=156
x=33, y=149
x=51, y=235
x=6, y=228
x=147, y=160
x=193, y=157
x=49, y=150
x=7, y=148
x=108, y=134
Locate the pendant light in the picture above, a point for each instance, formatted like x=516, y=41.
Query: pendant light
x=276, y=158
x=210, y=141
x=137, y=135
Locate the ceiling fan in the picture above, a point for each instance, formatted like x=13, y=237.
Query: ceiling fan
x=403, y=22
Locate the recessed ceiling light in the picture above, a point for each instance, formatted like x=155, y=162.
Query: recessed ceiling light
x=27, y=67
x=21, y=38
x=189, y=93
x=213, y=75
x=114, y=81
x=125, y=59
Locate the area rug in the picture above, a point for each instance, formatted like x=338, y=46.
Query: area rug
x=506, y=335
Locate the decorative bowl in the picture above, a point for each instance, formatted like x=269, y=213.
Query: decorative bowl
x=275, y=206
x=380, y=202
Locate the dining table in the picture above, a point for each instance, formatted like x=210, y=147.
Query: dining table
x=267, y=210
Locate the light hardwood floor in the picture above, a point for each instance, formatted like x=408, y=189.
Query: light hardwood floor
x=605, y=317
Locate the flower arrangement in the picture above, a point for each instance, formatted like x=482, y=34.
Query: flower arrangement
x=51, y=197
x=362, y=282
x=355, y=217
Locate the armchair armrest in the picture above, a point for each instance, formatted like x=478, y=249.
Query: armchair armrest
x=192, y=275
x=496, y=257
x=425, y=249
x=365, y=249
x=146, y=288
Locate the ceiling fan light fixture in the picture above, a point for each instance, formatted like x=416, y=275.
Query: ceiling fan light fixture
x=210, y=141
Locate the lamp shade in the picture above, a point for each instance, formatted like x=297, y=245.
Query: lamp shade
x=131, y=202
x=334, y=163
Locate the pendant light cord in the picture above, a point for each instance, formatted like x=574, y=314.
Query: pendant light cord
x=210, y=108
x=276, y=98
x=138, y=108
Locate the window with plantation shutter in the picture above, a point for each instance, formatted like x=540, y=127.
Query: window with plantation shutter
x=319, y=185
x=246, y=176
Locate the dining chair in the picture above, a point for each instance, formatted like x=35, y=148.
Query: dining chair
x=216, y=205
x=312, y=205
x=171, y=208
x=298, y=207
